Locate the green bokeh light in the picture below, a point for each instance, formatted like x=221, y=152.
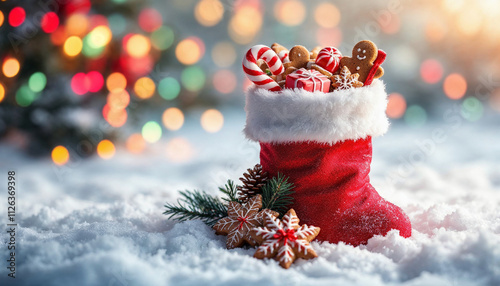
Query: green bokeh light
x=169, y=88
x=37, y=82
x=472, y=109
x=193, y=78
x=25, y=96
x=162, y=38
x=415, y=116
x=89, y=51
x=151, y=132
x=117, y=24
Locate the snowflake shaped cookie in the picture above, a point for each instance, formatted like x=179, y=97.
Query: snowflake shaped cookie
x=240, y=220
x=284, y=240
x=346, y=80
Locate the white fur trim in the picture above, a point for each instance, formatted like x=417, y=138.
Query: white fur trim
x=295, y=115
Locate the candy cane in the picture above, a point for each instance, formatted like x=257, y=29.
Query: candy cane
x=255, y=74
x=329, y=59
x=283, y=55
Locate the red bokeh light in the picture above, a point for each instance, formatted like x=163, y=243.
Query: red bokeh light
x=49, y=22
x=150, y=20
x=80, y=6
x=431, y=71
x=17, y=16
x=96, y=81
x=80, y=83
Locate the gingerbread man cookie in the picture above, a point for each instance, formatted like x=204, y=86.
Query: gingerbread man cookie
x=299, y=57
x=366, y=60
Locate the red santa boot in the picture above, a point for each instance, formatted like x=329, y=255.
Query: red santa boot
x=322, y=142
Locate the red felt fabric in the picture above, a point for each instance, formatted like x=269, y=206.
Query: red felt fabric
x=333, y=190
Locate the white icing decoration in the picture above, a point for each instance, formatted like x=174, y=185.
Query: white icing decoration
x=361, y=58
x=364, y=51
x=358, y=68
x=359, y=49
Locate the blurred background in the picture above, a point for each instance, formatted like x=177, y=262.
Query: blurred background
x=86, y=77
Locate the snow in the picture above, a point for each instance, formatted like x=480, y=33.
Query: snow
x=99, y=222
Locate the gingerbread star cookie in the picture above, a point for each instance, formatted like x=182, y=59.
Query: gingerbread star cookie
x=285, y=240
x=365, y=61
x=345, y=80
x=240, y=220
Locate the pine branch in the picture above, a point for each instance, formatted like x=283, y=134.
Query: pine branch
x=230, y=191
x=276, y=194
x=197, y=205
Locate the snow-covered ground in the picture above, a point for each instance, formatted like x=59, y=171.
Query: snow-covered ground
x=99, y=222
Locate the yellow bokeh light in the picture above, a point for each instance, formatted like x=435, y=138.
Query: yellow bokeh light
x=117, y=117
x=209, y=12
x=179, y=150
x=60, y=155
x=224, y=54
x=118, y=100
x=2, y=92
x=116, y=82
x=100, y=36
x=455, y=86
x=327, y=15
x=144, y=87
x=135, y=143
x=77, y=24
x=106, y=149
x=138, y=46
x=73, y=46
x=188, y=51
x=290, y=12
x=212, y=120
x=453, y=5
x=2, y=18
x=173, y=118
x=245, y=24
x=11, y=67
x=470, y=22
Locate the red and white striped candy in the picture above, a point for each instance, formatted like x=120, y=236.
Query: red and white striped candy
x=329, y=59
x=253, y=71
x=284, y=56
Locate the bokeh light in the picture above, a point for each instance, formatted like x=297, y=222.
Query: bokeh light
x=17, y=16
x=431, y=71
x=290, y=12
x=151, y=132
x=144, y=87
x=173, y=118
x=455, y=86
x=189, y=51
x=224, y=54
x=2, y=92
x=80, y=84
x=116, y=117
x=396, y=105
x=49, y=22
x=245, y=24
x=25, y=96
x=209, y=12
x=99, y=37
x=77, y=24
x=212, y=120
x=95, y=80
x=37, y=82
x=179, y=150
x=11, y=67
x=472, y=109
x=117, y=23
x=90, y=50
x=327, y=15
x=138, y=46
x=60, y=155
x=116, y=82
x=224, y=81
x=162, y=38
x=73, y=46
x=193, y=78
x=469, y=21
x=329, y=37
x=106, y=149
x=2, y=18
x=392, y=26
x=435, y=30
x=135, y=143
x=118, y=100
x=150, y=20
x=415, y=116
x=169, y=88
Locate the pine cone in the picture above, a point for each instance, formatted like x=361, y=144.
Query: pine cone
x=253, y=181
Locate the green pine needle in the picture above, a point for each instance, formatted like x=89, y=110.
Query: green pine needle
x=197, y=205
x=276, y=194
x=230, y=192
